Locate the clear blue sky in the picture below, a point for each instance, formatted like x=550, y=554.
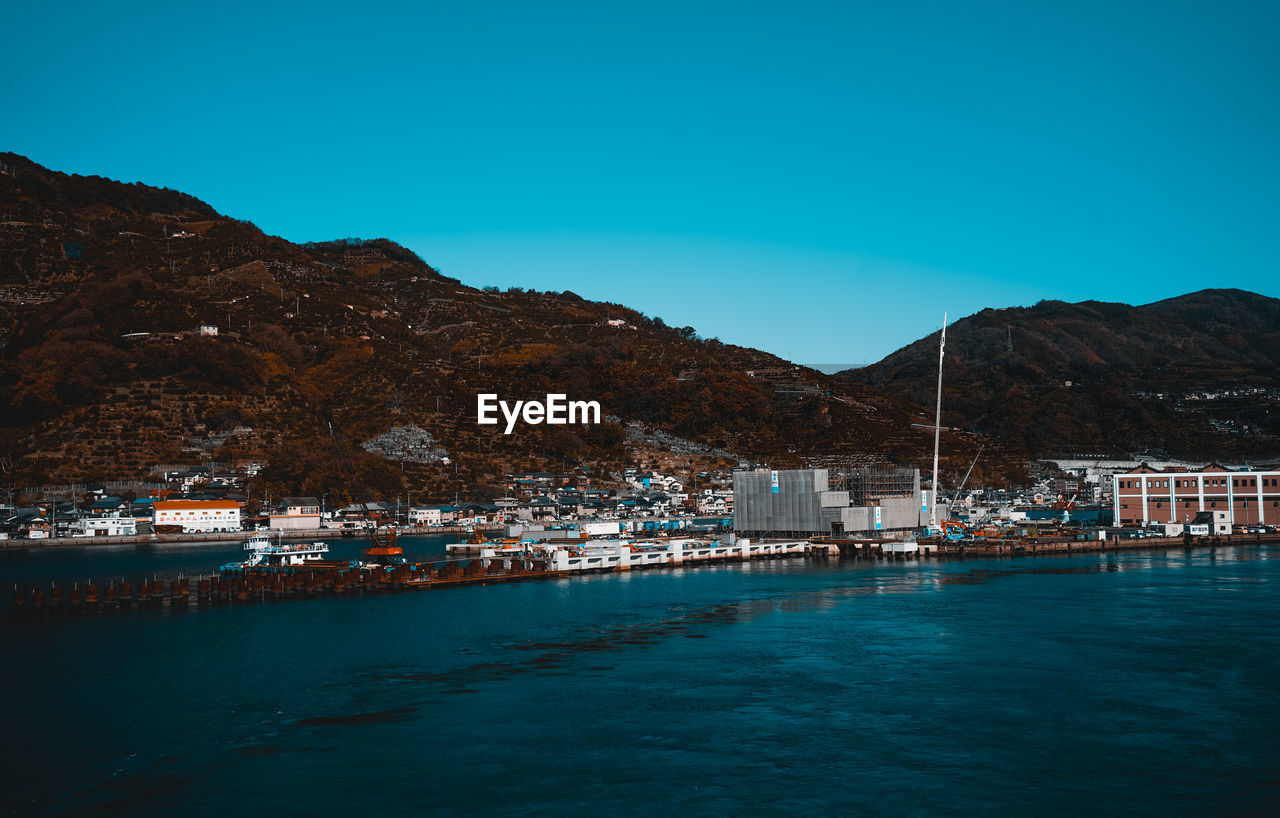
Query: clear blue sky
x=820, y=180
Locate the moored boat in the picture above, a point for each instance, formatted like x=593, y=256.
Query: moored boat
x=263, y=552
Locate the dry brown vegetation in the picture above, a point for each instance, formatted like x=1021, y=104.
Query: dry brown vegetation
x=324, y=346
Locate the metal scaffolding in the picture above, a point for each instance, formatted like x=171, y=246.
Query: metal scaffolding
x=868, y=484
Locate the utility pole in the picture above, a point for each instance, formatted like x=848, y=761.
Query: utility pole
x=937, y=430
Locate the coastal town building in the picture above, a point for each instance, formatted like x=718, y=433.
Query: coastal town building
x=110, y=525
x=1176, y=495
x=198, y=516
x=804, y=502
x=296, y=514
x=425, y=515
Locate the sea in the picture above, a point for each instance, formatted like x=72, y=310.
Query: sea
x=1140, y=683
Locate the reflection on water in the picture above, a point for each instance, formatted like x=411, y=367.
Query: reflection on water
x=1050, y=685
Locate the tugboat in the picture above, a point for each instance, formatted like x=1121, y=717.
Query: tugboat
x=263, y=553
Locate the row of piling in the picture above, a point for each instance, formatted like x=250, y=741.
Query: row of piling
x=345, y=579
x=266, y=584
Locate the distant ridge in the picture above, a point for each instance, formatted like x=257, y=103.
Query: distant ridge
x=1194, y=376
x=831, y=369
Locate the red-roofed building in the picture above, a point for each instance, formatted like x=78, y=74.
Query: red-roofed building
x=198, y=516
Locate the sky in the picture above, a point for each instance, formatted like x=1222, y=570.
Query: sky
x=819, y=180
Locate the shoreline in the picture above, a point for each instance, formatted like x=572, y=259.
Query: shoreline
x=230, y=537
x=278, y=584
x=858, y=549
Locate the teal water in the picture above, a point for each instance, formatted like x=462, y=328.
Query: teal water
x=1142, y=683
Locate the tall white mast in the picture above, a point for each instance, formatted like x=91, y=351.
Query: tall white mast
x=937, y=431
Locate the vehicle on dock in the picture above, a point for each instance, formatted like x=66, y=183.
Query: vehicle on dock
x=263, y=553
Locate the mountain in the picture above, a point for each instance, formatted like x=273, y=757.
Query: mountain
x=352, y=365
x=1197, y=376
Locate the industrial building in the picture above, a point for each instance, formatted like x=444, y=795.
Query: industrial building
x=198, y=516
x=866, y=501
x=1176, y=495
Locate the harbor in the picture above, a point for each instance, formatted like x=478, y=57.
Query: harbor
x=746, y=671
x=299, y=572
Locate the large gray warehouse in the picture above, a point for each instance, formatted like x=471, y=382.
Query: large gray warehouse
x=805, y=502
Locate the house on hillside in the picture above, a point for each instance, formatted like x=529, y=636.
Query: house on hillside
x=107, y=505
x=543, y=508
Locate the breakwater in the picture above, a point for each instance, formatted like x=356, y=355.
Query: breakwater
x=350, y=578
x=353, y=578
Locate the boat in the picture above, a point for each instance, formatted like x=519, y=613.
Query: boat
x=263, y=553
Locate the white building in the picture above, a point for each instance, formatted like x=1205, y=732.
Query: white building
x=197, y=516
x=297, y=514
x=109, y=526
x=425, y=515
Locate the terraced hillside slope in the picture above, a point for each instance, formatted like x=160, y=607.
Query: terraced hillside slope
x=353, y=366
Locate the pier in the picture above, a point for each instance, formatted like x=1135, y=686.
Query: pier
x=501, y=564
x=351, y=578
x=1032, y=546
